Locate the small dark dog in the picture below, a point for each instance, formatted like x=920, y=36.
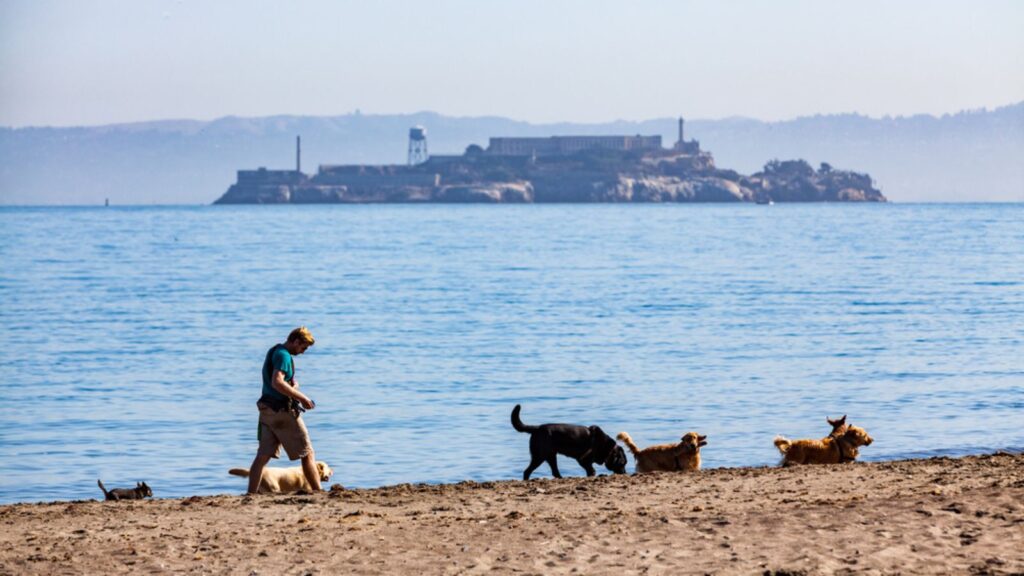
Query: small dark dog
x=138, y=493
x=588, y=445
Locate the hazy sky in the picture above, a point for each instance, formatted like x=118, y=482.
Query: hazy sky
x=84, y=63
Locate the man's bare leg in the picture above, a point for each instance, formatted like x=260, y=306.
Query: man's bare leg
x=256, y=472
x=309, y=469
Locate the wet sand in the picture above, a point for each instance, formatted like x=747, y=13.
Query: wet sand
x=938, y=515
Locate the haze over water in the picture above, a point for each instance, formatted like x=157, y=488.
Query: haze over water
x=135, y=336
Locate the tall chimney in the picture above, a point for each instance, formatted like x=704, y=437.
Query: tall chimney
x=298, y=153
x=680, y=130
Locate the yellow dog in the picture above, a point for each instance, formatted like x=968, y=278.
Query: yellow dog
x=280, y=480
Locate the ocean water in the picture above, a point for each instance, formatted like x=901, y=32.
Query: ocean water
x=133, y=337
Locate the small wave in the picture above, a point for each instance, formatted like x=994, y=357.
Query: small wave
x=998, y=283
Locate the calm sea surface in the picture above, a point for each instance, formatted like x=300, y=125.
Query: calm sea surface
x=133, y=337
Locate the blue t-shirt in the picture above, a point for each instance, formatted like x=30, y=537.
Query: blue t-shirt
x=278, y=358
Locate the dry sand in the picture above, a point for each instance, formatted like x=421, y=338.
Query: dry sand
x=941, y=515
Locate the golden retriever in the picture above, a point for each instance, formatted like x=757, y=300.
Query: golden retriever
x=841, y=446
x=682, y=456
x=280, y=480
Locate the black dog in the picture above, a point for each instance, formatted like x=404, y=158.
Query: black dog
x=138, y=493
x=586, y=444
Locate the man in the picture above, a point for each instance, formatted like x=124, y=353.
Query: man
x=280, y=413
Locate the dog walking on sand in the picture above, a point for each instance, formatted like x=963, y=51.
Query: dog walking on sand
x=140, y=491
x=682, y=456
x=840, y=446
x=588, y=445
x=283, y=480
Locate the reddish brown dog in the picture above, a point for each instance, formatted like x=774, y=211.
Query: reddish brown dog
x=682, y=456
x=841, y=446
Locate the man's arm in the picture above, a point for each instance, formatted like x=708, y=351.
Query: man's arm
x=282, y=386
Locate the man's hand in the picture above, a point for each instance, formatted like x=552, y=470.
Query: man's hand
x=291, y=390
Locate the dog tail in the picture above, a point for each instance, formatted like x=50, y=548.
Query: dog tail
x=518, y=424
x=105, y=493
x=628, y=441
x=243, y=472
x=782, y=444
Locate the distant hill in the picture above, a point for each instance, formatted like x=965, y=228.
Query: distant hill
x=964, y=157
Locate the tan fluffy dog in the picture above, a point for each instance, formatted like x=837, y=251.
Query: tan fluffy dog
x=682, y=456
x=841, y=446
x=280, y=480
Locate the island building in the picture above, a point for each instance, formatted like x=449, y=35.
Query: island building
x=565, y=145
x=418, y=145
x=684, y=147
x=264, y=177
x=341, y=174
x=568, y=145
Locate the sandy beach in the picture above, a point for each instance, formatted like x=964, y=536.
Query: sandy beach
x=938, y=515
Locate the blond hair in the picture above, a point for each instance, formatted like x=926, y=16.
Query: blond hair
x=301, y=334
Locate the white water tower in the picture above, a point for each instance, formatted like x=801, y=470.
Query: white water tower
x=417, y=145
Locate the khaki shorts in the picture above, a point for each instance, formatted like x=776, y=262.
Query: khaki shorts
x=284, y=428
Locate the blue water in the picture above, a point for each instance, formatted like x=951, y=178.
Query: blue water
x=133, y=337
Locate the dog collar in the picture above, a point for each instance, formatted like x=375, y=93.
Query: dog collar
x=843, y=458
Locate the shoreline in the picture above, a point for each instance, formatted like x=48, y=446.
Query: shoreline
x=570, y=470
x=935, y=515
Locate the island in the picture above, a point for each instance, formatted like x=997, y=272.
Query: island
x=553, y=169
